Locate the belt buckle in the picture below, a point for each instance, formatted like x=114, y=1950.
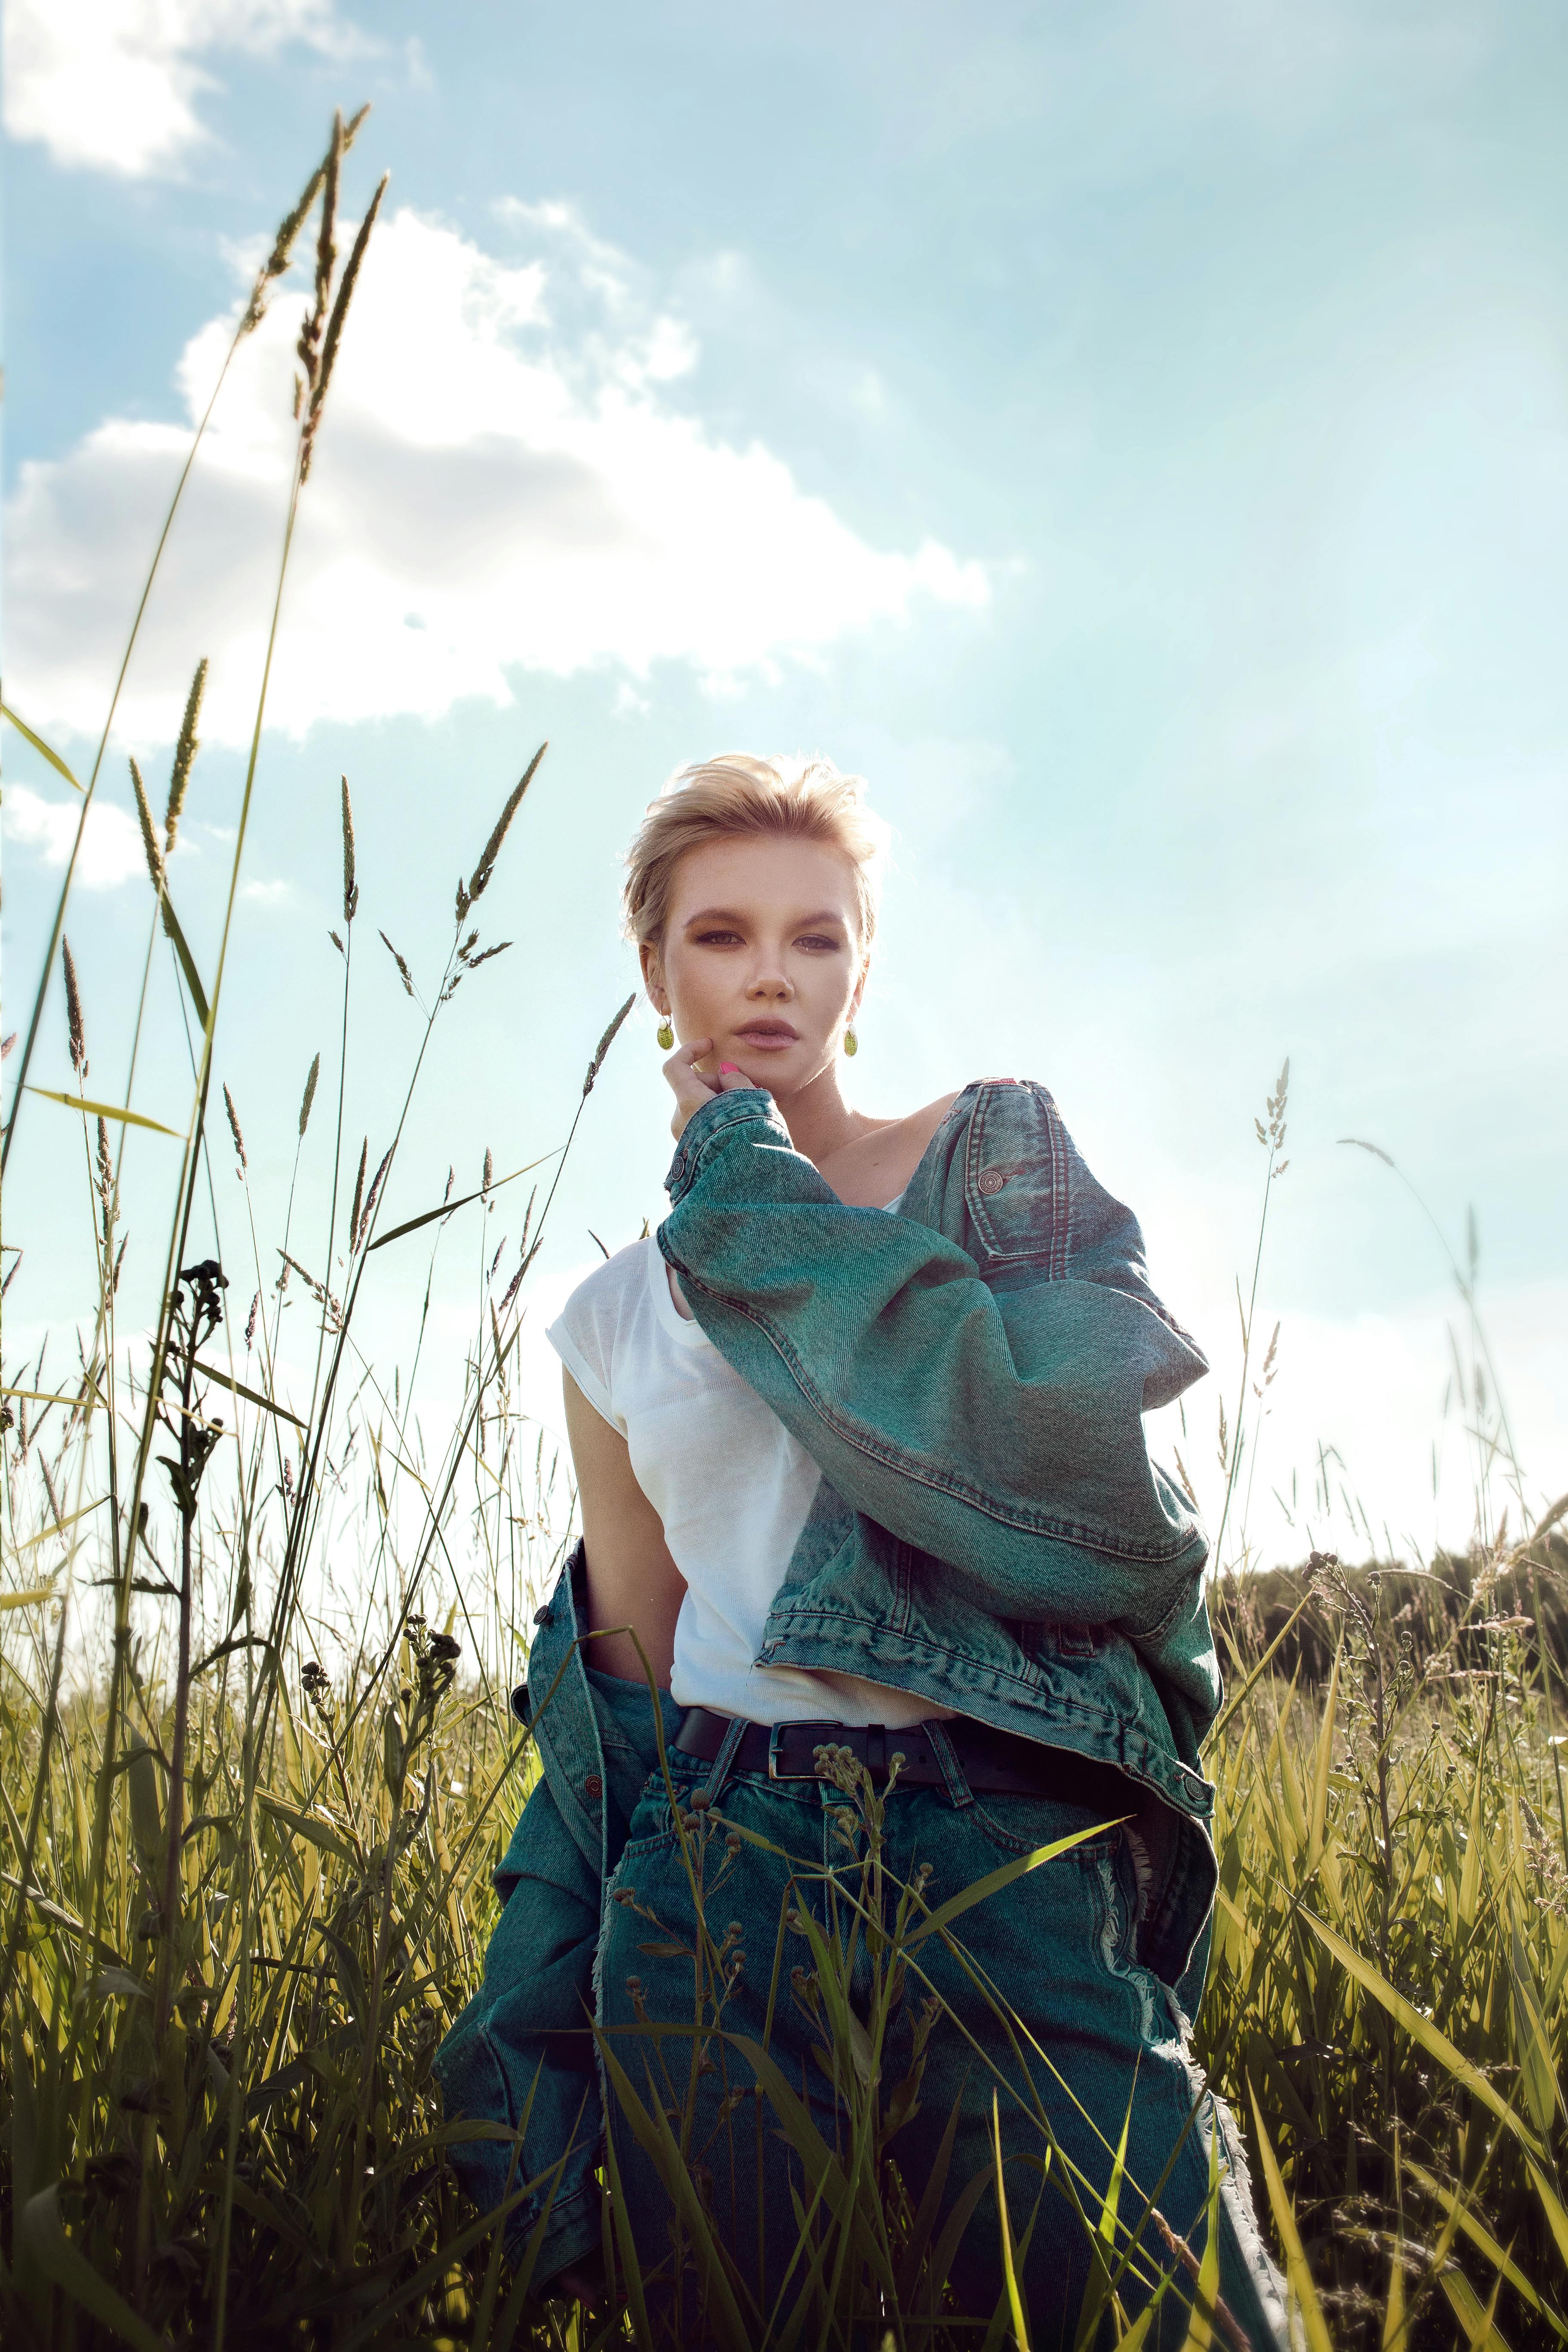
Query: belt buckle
x=776, y=1733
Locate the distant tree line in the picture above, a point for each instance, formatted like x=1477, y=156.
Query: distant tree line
x=1467, y=1605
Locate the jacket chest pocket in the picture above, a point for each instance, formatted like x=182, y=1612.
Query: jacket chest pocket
x=1015, y=1184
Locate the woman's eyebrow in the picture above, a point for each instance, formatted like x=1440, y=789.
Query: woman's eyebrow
x=728, y=915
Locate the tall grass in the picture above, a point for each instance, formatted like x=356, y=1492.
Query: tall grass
x=257, y=1764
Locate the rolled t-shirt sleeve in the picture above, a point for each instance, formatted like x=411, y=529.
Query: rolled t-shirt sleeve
x=584, y=1335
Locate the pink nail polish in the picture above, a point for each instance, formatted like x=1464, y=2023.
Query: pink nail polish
x=728, y=1065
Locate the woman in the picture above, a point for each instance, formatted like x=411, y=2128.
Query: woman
x=859, y=1444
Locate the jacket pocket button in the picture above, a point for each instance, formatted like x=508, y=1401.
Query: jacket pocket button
x=990, y=1181
x=592, y=1786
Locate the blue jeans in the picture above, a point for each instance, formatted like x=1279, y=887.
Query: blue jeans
x=1104, y=2044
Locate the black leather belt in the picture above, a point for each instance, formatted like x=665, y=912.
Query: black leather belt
x=993, y=1763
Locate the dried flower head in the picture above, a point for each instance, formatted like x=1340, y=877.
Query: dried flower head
x=310, y=1096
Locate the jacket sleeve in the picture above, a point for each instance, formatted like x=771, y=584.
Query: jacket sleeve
x=993, y=1419
x=524, y=2044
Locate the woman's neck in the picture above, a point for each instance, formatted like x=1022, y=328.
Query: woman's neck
x=866, y=1160
x=820, y=1121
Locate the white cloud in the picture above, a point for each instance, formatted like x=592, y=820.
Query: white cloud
x=111, y=849
x=114, y=84
x=505, y=481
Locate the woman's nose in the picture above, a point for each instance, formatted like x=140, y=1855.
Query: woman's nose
x=769, y=981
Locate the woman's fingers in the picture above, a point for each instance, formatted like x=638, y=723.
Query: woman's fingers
x=692, y=1086
x=686, y=1082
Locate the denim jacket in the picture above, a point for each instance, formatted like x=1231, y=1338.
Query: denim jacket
x=990, y=1533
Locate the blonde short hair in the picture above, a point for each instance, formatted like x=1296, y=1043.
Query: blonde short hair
x=739, y=793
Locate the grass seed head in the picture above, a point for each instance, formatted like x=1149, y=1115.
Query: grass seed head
x=403, y=971
x=359, y=1197
x=351, y=887
x=373, y=1195
x=75, y=1028
x=335, y=329
x=289, y=228
x=309, y=1097
x=185, y=755
x=234, y=1128
x=149, y=836
x=492, y=848
x=605, y=1042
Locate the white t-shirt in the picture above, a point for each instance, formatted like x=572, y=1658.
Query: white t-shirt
x=731, y=1484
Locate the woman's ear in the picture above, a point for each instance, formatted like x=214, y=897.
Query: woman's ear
x=653, y=976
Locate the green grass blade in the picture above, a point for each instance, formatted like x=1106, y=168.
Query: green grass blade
x=39, y=746
x=1421, y=2029
x=106, y=1110
x=45, y=2235
x=995, y=1881
x=252, y=1396
x=1297, y=2277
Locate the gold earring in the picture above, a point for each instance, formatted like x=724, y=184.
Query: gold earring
x=665, y=1035
x=851, y=1043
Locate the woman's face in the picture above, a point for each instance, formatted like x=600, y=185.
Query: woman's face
x=761, y=954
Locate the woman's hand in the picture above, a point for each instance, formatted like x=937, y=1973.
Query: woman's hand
x=690, y=1088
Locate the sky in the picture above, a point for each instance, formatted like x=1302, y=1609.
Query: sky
x=1135, y=440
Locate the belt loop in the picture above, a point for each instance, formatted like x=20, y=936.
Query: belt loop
x=959, y=1791
x=734, y=1732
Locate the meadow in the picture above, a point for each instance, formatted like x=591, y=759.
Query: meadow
x=251, y=1797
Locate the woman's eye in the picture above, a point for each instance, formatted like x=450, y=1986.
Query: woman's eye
x=717, y=939
x=819, y=939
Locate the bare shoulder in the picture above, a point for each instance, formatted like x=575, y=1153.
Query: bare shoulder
x=922, y=1125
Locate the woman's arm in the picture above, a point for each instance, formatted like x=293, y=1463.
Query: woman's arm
x=997, y=1428
x=632, y=1579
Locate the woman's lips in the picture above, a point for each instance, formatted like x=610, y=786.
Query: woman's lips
x=768, y=1040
